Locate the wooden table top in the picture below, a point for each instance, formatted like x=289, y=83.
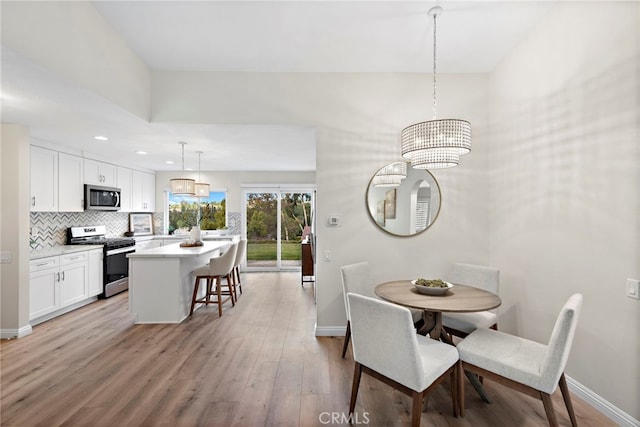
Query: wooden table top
x=460, y=298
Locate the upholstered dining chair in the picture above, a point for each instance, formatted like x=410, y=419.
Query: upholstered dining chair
x=478, y=276
x=356, y=279
x=218, y=268
x=526, y=366
x=240, y=254
x=387, y=347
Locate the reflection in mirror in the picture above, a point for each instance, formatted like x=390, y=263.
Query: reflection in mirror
x=402, y=200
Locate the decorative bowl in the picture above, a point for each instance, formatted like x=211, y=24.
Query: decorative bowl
x=430, y=290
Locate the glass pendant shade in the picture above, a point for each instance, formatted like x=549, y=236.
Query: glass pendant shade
x=436, y=144
x=201, y=189
x=183, y=186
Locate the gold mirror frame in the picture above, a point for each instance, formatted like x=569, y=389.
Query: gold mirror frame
x=405, y=209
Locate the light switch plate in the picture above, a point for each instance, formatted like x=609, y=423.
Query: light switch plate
x=633, y=288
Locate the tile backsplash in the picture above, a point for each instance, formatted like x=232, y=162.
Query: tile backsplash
x=50, y=228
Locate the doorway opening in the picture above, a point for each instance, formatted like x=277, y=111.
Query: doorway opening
x=275, y=219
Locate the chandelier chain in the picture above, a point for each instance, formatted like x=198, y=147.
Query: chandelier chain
x=434, y=66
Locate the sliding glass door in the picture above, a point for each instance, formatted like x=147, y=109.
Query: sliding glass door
x=275, y=219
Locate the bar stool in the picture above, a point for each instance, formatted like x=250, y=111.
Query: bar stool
x=242, y=250
x=219, y=267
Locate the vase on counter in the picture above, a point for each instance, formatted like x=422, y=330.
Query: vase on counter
x=195, y=233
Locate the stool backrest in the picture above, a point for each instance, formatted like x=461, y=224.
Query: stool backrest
x=223, y=264
x=242, y=250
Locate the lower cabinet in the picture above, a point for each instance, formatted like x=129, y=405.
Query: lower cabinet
x=57, y=282
x=94, y=287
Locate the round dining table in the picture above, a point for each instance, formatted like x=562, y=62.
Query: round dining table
x=458, y=299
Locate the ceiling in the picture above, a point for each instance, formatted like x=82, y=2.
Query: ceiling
x=262, y=36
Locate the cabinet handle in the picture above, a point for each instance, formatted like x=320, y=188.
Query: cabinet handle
x=57, y=277
x=63, y=276
x=33, y=201
x=42, y=264
x=75, y=257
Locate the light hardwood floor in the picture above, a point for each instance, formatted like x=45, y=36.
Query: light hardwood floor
x=257, y=365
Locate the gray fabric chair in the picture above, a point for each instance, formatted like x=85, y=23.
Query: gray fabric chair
x=526, y=366
x=386, y=347
x=218, y=268
x=478, y=276
x=356, y=279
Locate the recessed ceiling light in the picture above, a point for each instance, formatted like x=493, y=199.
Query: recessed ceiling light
x=188, y=169
x=169, y=162
x=141, y=152
x=101, y=138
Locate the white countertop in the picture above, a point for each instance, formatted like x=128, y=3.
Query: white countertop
x=61, y=250
x=174, y=250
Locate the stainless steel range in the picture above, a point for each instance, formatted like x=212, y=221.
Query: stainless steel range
x=115, y=262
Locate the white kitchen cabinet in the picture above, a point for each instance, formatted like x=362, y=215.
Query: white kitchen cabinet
x=70, y=183
x=44, y=179
x=143, y=192
x=94, y=285
x=56, y=282
x=43, y=290
x=56, y=181
x=99, y=173
x=123, y=182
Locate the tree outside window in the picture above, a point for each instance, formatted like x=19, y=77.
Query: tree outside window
x=186, y=212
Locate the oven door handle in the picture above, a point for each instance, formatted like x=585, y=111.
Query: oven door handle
x=121, y=250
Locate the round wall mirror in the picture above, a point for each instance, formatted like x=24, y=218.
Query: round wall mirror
x=403, y=201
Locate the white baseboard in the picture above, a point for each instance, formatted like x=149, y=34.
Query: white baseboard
x=612, y=412
x=7, y=334
x=330, y=331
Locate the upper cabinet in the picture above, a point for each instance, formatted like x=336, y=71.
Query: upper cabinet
x=123, y=182
x=44, y=179
x=143, y=192
x=56, y=181
x=99, y=173
x=70, y=188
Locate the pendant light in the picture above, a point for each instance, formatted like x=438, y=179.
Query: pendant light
x=201, y=188
x=436, y=143
x=183, y=186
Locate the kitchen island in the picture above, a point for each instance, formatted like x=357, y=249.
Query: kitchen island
x=160, y=280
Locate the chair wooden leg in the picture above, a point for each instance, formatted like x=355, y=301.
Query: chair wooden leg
x=357, y=373
x=460, y=380
x=231, y=289
x=453, y=379
x=416, y=408
x=548, y=408
x=195, y=294
x=567, y=400
x=347, y=337
x=219, y=295
x=237, y=269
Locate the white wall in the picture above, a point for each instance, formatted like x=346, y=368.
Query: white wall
x=565, y=168
x=14, y=230
x=72, y=39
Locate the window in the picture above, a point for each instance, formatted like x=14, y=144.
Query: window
x=187, y=211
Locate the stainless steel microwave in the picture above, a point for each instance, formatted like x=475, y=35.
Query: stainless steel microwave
x=101, y=198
